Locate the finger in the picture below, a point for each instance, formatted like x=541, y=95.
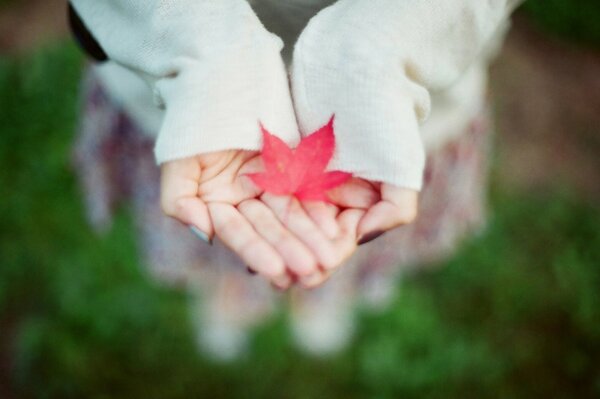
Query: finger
x=398, y=207
x=357, y=193
x=245, y=184
x=349, y=220
x=179, y=200
x=291, y=214
x=282, y=283
x=314, y=280
x=323, y=215
x=192, y=212
x=239, y=236
x=295, y=254
x=345, y=242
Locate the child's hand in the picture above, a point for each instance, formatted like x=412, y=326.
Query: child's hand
x=274, y=236
x=325, y=229
x=360, y=212
x=203, y=192
x=386, y=206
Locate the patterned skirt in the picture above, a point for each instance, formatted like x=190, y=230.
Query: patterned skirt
x=115, y=164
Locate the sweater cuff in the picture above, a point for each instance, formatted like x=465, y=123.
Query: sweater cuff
x=217, y=104
x=376, y=120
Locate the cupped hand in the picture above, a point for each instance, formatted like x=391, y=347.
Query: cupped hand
x=278, y=237
x=359, y=211
x=328, y=233
x=386, y=206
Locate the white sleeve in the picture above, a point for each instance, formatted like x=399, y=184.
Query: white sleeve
x=211, y=64
x=373, y=63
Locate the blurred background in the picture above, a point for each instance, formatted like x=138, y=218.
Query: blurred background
x=515, y=314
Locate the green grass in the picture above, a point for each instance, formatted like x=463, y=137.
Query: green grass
x=515, y=314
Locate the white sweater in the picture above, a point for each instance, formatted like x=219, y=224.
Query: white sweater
x=214, y=70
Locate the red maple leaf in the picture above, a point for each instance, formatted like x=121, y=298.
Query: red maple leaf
x=301, y=171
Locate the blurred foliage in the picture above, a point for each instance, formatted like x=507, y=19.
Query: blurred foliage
x=576, y=20
x=514, y=314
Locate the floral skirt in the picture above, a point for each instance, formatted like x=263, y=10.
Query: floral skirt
x=115, y=163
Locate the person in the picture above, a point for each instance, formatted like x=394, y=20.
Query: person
x=184, y=84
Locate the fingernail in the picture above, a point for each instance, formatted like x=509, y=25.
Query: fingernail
x=279, y=289
x=201, y=235
x=250, y=271
x=312, y=279
x=282, y=284
x=370, y=237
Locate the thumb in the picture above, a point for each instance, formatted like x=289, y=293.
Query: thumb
x=398, y=206
x=193, y=212
x=179, y=196
x=356, y=193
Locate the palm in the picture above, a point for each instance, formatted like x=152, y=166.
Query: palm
x=276, y=236
x=222, y=177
